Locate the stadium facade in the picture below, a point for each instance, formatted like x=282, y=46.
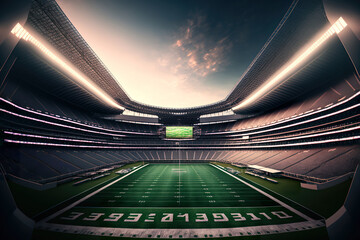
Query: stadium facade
x=293, y=116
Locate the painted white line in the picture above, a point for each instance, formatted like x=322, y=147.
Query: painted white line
x=268, y=195
x=88, y=196
x=172, y=208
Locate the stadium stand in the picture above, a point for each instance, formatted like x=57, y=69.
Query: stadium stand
x=53, y=131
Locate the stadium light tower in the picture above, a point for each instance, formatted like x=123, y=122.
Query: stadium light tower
x=20, y=32
x=337, y=27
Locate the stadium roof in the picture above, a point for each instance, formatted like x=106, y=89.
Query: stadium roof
x=303, y=21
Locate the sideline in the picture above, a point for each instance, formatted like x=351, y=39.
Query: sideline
x=268, y=195
x=87, y=196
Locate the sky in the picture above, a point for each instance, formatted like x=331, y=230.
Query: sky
x=176, y=53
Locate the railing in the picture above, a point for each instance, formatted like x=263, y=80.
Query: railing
x=59, y=178
x=305, y=177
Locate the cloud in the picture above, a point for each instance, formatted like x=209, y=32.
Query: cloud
x=177, y=77
x=193, y=54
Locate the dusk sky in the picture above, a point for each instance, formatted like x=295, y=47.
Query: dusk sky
x=176, y=53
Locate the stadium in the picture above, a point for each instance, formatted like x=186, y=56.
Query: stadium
x=271, y=154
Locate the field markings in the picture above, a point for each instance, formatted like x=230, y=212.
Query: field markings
x=87, y=196
x=171, y=208
x=267, y=195
x=182, y=232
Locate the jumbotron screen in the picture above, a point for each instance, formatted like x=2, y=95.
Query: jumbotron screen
x=179, y=132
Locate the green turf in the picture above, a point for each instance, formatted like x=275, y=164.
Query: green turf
x=316, y=200
x=163, y=193
x=156, y=192
x=167, y=185
x=177, y=217
x=32, y=202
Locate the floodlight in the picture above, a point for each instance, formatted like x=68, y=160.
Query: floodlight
x=337, y=27
x=22, y=33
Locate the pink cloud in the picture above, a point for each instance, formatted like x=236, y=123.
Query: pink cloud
x=164, y=82
x=194, y=55
x=178, y=43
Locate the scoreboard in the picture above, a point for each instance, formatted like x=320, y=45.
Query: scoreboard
x=178, y=132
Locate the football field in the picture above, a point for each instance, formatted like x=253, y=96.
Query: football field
x=179, y=201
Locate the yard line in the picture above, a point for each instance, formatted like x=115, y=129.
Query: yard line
x=268, y=195
x=88, y=196
x=172, y=208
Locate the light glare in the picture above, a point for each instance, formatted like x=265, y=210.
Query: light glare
x=337, y=27
x=22, y=33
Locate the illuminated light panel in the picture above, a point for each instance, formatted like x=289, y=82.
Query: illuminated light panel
x=56, y=138
x=302, y=137
x=59, y=124
x=73, y=121
x=303, y=122
x=22, y=33
x=353, y=138
x=337, y=27
x=179, y=132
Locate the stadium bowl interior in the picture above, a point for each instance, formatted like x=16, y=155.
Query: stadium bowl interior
x=275, y=158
